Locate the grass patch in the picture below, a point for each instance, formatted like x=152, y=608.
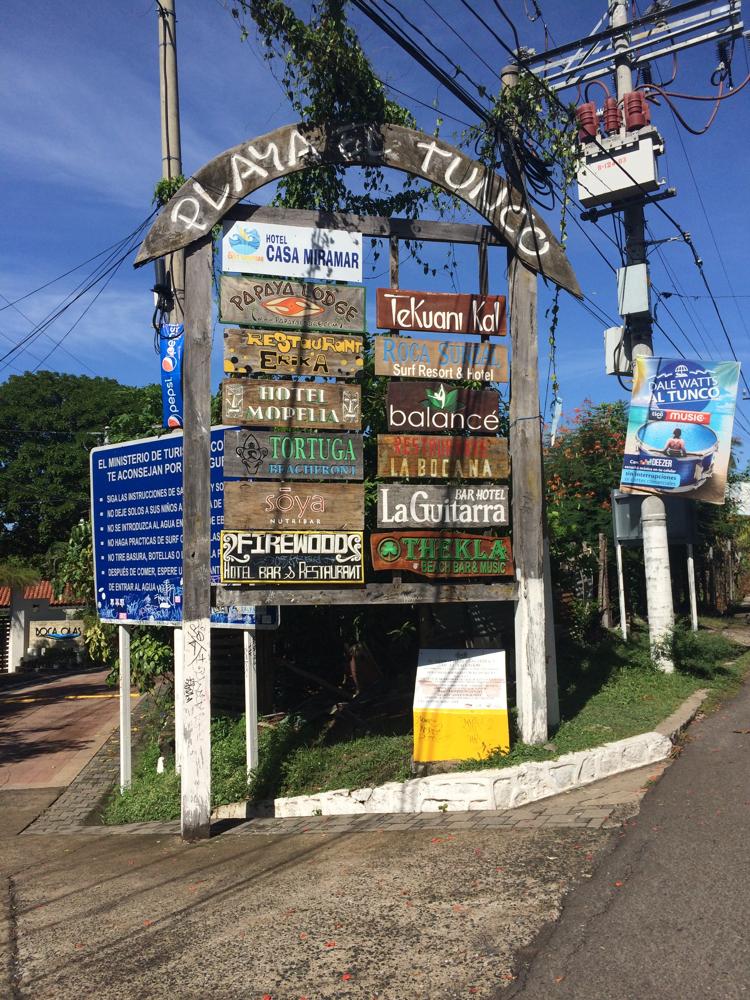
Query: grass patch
x=608, y=691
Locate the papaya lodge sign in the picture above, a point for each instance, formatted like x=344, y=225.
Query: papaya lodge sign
x=428, y=456
x=292, y=455
x=284, y=303
x=436, y=407
x=291, y=404
x=441, y=312
x=410, y=357
x=299, y=505
x=281, y=353
x=442, y=506
x=292, y=557
x=441, y=553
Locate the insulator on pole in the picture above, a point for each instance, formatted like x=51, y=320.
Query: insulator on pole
x=635, y=107
x=611, y=119
x=587, y=121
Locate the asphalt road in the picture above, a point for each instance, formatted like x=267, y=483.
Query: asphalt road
x=50, y=729
x=665, y=915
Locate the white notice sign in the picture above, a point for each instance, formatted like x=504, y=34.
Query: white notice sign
x=292, y=251
x=461, y=679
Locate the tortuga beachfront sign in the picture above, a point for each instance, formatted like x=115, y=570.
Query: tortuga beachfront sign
x=283, y=303
x=428, y=456
x=294, y=404
x=294, y=251
x=442, y=506
x=441, y=312
x=325, y=354
x=292, y=557
x=441, y=553
x=210, y=192
x=435, y=406
x=408, y=357
x=292, y=455
x=298, y=505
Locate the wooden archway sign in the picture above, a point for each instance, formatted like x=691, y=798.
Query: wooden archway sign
x=234, y=174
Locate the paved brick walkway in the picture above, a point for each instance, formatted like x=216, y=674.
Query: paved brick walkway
x=604, y=804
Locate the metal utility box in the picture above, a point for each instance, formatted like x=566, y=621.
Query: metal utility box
x=633, y=290
x=617, y=358
x=625, y=166
x=627, y=526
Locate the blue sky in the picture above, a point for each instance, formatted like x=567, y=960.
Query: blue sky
x=80, y=149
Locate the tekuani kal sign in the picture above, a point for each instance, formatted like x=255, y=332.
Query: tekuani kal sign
x=409, y=357
x=441, y=553
x=299, y=505
x=326, y=354
x=428, y=456
x=283, y=303
x=292, y=455
x=435, y=406
x=441, y=312
x=294, y=404
x=442, y=506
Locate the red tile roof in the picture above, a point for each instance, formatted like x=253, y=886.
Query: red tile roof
x=4, y=597
x=42, y=591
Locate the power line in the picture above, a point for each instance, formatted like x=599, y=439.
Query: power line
x=31, y=321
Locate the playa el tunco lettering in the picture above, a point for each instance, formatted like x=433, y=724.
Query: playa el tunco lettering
x=292, y=455
x=409, y=357
x=427, y=456
x=326, y=354
x=292, y=557
x=442, y=506
x=295, y=404
x=435, y=406
x=290, y=304
x=441, y=312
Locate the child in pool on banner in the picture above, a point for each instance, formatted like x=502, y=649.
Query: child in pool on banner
x=675, y=447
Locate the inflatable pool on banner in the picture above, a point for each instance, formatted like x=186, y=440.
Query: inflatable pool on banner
x=680, y=428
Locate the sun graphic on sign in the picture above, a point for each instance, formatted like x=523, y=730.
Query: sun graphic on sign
x=389, y=550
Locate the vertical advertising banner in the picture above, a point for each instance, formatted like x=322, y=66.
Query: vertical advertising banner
x=680, y=428
x=460, y=704
x=171, y=345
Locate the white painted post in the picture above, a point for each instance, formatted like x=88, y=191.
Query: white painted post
x=621, y=591
x=179, y=677
x=251, y=699
x=123, y=635
x=691, y=589
x=658, y=580
x=553, y=699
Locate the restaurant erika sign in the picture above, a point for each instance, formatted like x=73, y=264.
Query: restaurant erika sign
x=427, y=456
x=435, y=406
x=283, y=303
x=292, y=455
x=440, y=311
x=298, y=505
x=326, y=354
x=409, y=357
x=441, y=506
x=292, y=557
x=294, y=404
x=441, y=553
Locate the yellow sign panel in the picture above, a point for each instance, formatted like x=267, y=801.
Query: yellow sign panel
x=460, y=704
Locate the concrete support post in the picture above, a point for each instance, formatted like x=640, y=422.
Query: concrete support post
x=179, y=694
x=621, y=591
x=691, y=589
x=251, y=699
x=126, y=758
x=658, y=582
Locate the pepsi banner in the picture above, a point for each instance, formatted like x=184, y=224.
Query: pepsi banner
x=171, y=346
x=679, y=435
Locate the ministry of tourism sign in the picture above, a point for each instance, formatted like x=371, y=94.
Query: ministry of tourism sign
x=292, y=455
x=291, y=404
x=292, y=251
x=441, y=553
x=282, y=303
x=441, y=312
x=442, y=506
x=292, y=557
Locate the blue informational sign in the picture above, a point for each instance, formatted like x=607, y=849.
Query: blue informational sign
x=171, y=344
x=136, y=517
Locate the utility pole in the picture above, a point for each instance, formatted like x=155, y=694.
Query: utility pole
x=639, y=332
x=171, y=145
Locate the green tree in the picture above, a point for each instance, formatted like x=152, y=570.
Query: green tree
x=49, y=422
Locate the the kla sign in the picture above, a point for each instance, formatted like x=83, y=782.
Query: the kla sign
x=292, y=251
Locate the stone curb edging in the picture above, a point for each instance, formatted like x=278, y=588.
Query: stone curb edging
x=502, y=788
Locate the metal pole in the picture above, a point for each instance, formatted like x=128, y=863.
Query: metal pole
x=179, y=677
x=621, y=591
x=528, y=494
x=655, y=553
x=691, y=589
x=251, y=699
x=123, y=636
x=171, y=143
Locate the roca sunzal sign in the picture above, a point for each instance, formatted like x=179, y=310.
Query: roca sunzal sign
x=224, y=181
